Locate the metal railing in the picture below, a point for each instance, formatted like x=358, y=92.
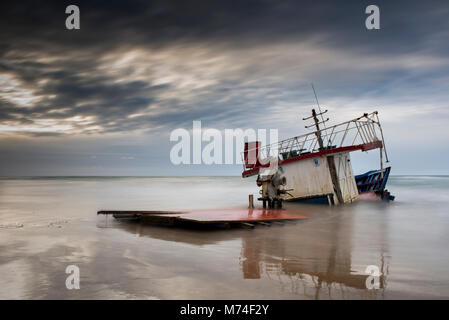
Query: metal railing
x=362, y=130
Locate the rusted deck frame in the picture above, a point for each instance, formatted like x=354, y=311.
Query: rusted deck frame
x=363, y=147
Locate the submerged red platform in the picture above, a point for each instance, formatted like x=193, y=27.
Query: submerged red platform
x=225, y=217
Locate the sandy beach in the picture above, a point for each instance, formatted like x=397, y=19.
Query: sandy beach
x=47, y=224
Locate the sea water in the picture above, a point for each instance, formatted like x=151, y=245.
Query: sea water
x=47, y=224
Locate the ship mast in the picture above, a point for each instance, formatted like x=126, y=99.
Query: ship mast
x=317, y=126
x=329, y=158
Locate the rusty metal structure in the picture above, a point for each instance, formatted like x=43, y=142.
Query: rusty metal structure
x=316, y=165
x=225, y=218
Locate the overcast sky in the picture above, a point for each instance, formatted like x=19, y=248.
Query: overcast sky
x=103, y=100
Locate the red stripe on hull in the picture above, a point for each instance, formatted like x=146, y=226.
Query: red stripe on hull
x=363, y=147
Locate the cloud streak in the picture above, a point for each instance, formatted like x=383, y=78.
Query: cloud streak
x=145, y=68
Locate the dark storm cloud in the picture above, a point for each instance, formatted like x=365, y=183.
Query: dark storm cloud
x=157, y=65
x=159, y=22
x=76, y=92
x=110, y=77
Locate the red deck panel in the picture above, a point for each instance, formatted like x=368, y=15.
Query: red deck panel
x=210, y=216
x=238, y=215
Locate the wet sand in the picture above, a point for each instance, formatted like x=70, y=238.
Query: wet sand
x=47, y=224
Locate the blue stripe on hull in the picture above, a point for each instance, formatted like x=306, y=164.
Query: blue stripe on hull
x=317, y=200
x=372, y=180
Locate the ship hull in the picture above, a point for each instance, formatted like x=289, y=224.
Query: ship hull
x=310, y=180
x=372, y=185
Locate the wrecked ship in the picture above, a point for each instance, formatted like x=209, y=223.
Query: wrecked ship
x=316, y=167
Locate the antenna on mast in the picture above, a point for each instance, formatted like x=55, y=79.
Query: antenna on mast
x=319, y=108
x=317, y=122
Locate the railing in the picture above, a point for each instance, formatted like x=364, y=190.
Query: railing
x=363, y=130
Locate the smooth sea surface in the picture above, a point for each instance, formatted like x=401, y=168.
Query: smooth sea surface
x=47, y=224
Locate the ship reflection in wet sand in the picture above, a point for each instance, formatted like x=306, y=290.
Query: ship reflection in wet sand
x=315, y=262
x=308, y=267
